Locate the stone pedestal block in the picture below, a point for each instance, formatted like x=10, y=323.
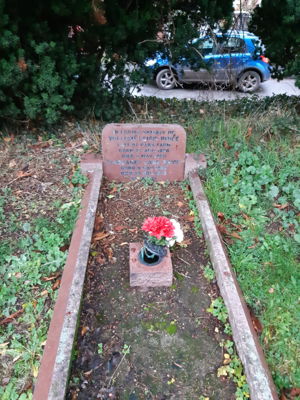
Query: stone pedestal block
x=147, y=276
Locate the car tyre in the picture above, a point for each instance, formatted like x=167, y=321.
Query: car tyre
x=166, y=79
x=249, y=81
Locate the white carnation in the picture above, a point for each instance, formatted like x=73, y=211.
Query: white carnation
x=178, y=234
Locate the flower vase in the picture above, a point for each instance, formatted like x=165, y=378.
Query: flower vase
x=152, y=254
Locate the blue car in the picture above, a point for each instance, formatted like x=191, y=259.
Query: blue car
x=233, y=59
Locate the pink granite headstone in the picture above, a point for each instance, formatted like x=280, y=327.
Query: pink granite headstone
x=132, y=151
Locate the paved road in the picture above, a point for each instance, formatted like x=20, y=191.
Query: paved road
x=269, y=88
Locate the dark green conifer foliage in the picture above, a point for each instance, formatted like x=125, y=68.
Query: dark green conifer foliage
x=70, y=57
x=277, y=22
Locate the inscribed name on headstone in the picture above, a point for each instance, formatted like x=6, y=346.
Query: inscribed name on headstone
x=133, y=151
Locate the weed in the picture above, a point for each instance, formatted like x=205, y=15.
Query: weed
x=79, y=178
x=218, y=309
x=100, y=349
x=24, y=288
x=170, y=328
x=232, y=366
x=209, y=273
x=126, y=349
x=147, y=182
x=194, y=211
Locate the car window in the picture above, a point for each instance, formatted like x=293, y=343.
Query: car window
x=231, y=45
x=205, y=46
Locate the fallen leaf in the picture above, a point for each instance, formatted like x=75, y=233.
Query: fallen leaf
x=56, y=284
x=100, y=236
x=74, y=395
x=119, y=228
x=226, y=145
x=44, y=293
x=189, y=218
x=246, y=216
x=227, y=359
x=24, y=174
x=281, y=206
x=84, y=330
x=88, y=373
x=64, y=248
x=100, y=259
x=11, y=317
x=268, y=263
x=221, y=216
x=295, y=392
x=123, y=244
x=3, y=344
x=283, y=397
x=257, y=325
x=41, y=145
x=222, y=229
x=253, y=246
x=271, y=290
x=9, y=139
x=16, y=358
x=249, y=133
x=235, y=235
x=179, y=204
x=236, y=226
x=51, y=277
x=27, y=386
x=109, y=253
x=35, y=371
x=98, y=222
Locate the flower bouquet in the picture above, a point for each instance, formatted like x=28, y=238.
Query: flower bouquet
x=162, y=233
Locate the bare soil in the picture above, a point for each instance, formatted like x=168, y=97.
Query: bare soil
x=155, y=343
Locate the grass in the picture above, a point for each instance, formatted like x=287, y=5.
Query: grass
x=252, y=182
x=37, y=215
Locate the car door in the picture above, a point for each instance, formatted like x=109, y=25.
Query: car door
x=203, y=50
x=230, y=56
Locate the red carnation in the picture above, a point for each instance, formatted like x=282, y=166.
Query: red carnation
x=159, y=227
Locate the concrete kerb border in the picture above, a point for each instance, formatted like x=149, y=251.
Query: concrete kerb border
x=53, y=374
x=248, y=347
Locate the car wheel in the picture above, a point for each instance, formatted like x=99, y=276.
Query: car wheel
x=166, y=79
x=249, y=81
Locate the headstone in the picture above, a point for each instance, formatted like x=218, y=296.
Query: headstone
x=133, y=151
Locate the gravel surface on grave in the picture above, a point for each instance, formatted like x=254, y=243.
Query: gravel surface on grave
x=156, y=343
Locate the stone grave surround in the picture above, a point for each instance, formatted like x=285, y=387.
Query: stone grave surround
x=164, y=144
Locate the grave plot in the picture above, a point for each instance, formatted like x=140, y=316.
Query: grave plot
x=155, y=343
x=151, y=343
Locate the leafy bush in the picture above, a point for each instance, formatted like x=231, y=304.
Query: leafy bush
x=80, y=56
